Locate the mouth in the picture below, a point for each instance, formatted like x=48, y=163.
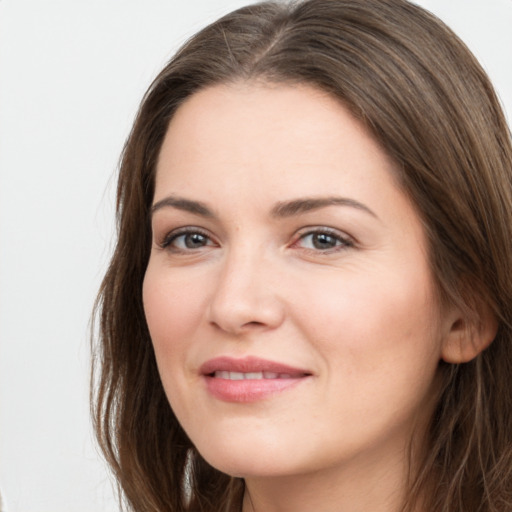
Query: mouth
x=252, y=375
x=249, y=379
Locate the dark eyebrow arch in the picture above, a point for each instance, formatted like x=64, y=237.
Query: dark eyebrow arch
x=306, y=204
x=181, y=203
x=280, y=210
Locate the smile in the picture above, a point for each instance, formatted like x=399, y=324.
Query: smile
x=249, y=379
x=251, y=375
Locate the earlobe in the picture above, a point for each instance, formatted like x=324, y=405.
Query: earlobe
x=469, y=337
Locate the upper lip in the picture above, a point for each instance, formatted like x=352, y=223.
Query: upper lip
x=247, y=365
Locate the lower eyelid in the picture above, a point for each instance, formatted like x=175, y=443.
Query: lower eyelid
x=343, y=239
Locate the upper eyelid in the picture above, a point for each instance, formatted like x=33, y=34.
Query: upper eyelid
x=296, y=236
x=171, y=235
x=325, y=229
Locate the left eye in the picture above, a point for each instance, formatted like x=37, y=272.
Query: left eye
x=323, y=241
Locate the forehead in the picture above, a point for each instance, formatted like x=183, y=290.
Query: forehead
x=297, y=133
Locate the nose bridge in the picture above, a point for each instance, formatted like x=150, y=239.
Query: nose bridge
x=245, y=296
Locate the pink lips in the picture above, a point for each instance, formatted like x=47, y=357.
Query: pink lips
x=248, y=379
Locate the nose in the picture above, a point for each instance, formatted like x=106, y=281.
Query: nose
x=247, y=296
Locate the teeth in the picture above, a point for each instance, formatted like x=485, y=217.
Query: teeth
x=251, y=375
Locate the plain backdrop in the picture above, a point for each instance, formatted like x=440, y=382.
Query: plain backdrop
x=71, y=75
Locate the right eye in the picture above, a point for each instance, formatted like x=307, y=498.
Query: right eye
x=186, y=240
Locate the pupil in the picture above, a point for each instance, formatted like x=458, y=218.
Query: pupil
x=323, y=241
x=194, y=240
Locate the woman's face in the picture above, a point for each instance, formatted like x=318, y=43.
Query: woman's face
x=288, y=293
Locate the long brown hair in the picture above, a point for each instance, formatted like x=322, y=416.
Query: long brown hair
x=426, y=100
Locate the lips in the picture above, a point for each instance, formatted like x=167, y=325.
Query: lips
x=251, y=375
x=249, y=379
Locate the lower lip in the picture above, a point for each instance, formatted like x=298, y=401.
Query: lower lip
x=248, y=390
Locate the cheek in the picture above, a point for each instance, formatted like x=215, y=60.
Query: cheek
x=380, y=350
x=173, y=311
x=374, y=324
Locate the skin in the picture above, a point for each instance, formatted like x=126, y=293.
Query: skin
x=358, y=312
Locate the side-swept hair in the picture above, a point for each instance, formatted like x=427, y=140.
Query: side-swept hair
x=426, y=100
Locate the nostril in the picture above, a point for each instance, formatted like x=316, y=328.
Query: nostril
x=253, y=324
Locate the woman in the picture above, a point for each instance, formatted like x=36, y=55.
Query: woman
x=309, y=304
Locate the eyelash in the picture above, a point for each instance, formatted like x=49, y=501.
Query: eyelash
x=171, y=237
x=341, y=242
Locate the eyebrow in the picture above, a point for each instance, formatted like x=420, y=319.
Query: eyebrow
x=181, y=203
x=280, y=210
x=306, y=204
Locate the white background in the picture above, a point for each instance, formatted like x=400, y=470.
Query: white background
x=71, y=75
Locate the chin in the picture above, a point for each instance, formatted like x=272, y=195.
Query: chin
x=249, y=468
x=246, y=459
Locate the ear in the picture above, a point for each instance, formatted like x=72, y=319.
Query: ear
x=468, y=337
